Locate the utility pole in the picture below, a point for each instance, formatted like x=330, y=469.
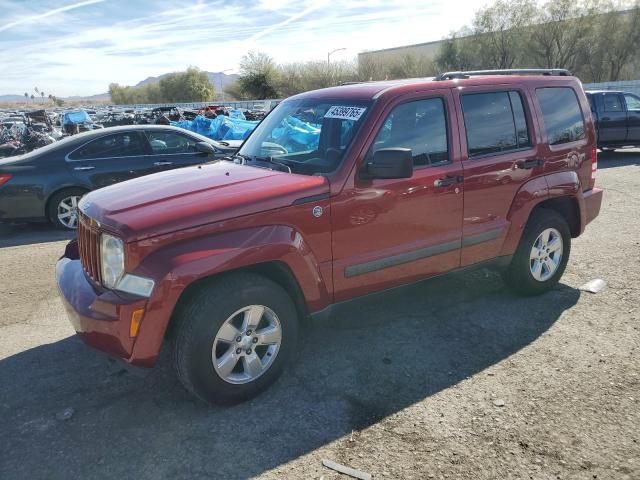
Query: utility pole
x=222, y=89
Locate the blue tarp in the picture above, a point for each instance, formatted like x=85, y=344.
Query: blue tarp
x=296, y=135
x=219, y=128
x=76, y=117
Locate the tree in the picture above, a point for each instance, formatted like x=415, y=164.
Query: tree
x=32, y=97
x=258, y=76
x=192, y=85
x=501, y=32
x=26, y=96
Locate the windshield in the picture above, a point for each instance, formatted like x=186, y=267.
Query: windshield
x=309, y=136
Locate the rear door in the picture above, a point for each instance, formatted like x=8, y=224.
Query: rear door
x=110, y=159
x=633, y=118
x=612, y=119
x=499, y=154
x=172, y=149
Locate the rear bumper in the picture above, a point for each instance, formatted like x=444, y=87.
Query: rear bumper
x=100, y=318
x=592, y=203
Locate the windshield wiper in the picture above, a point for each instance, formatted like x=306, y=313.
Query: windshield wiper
x=269, y=159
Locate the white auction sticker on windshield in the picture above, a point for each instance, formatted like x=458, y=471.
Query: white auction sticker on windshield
x=344, y=112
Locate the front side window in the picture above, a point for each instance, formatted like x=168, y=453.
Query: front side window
x=561, y=115
x=495, y=123
x=612, y=103
x=124, y=144
x=309, y=136
x=420, y=126
x=633, y=102
x=167, y=143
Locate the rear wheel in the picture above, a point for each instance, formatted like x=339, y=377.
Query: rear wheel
x=234, y=337
x=542, y=254
x=63, y=208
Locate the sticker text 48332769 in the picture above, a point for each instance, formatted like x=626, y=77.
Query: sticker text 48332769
x=345, y=112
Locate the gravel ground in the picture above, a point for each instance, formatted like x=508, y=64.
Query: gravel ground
x=455, y=378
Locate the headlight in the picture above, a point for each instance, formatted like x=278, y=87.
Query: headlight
x=112, y=266
x=111, y=260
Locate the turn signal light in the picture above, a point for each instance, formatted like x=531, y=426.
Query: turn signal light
x=4, y=178
x=136, y=317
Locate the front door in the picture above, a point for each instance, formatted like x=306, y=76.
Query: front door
x=612, y=119
x=172, y=149
x=391, y=232
x=110, y=159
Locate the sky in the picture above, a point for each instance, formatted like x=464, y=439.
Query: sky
x=78, y=47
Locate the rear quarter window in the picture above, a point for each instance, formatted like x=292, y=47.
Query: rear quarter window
x=561, y=115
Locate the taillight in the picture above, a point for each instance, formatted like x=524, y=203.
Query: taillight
x=594, y=166
x=4, y=178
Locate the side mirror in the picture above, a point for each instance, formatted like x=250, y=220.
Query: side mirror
x=390, y=163
x=204, y=147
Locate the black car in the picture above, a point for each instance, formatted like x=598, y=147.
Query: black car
x=616, y=116
x=47, y=183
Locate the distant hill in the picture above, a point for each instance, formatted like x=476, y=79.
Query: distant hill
x=214, y=78
x=14, y=98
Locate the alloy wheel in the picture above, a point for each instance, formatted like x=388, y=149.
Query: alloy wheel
x=68, y=211
x=546, y=254
x=246, y=344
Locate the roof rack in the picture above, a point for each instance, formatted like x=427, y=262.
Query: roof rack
x=516, y=71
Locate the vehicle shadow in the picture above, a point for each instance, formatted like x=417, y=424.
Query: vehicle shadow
x=619, y=158
x=17, y=234
x=371, y=361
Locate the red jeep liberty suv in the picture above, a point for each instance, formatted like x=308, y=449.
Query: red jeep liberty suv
x=338, y=193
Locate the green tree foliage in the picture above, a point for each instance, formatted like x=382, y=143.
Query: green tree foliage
x=595, y=39
x=191, y=85
x=258, y=76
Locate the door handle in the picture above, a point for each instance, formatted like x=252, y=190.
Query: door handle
x=83, y=168
x=448, y=180
x=606, y=119
x=161, y=164
x=529, y=164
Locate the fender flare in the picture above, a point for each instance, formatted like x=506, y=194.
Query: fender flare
x=533, y=193
x=178, y=266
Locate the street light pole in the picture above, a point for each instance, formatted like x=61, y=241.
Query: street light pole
x=331, y=53
x=222, y=89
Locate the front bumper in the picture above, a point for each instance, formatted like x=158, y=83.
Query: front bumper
x=592, y=203
x=100, y=317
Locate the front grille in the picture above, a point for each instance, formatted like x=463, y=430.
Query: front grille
x=89, y=247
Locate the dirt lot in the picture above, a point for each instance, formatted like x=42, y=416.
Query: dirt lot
x=406, y=387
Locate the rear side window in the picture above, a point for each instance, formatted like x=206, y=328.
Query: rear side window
x=561, y=114
x=495, y=122
x=118, y=145
x=612, y=103
x=420, y=126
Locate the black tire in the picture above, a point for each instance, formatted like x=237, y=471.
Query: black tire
x=518, y=275
x=199, y=320
x=54, y=202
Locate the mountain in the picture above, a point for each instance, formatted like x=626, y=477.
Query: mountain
x=13, y=98
x=214, y=77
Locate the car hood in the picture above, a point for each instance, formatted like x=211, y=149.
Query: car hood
x=187, y=197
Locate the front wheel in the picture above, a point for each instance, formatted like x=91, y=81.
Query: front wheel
x=234, y=337
x=542, y=254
